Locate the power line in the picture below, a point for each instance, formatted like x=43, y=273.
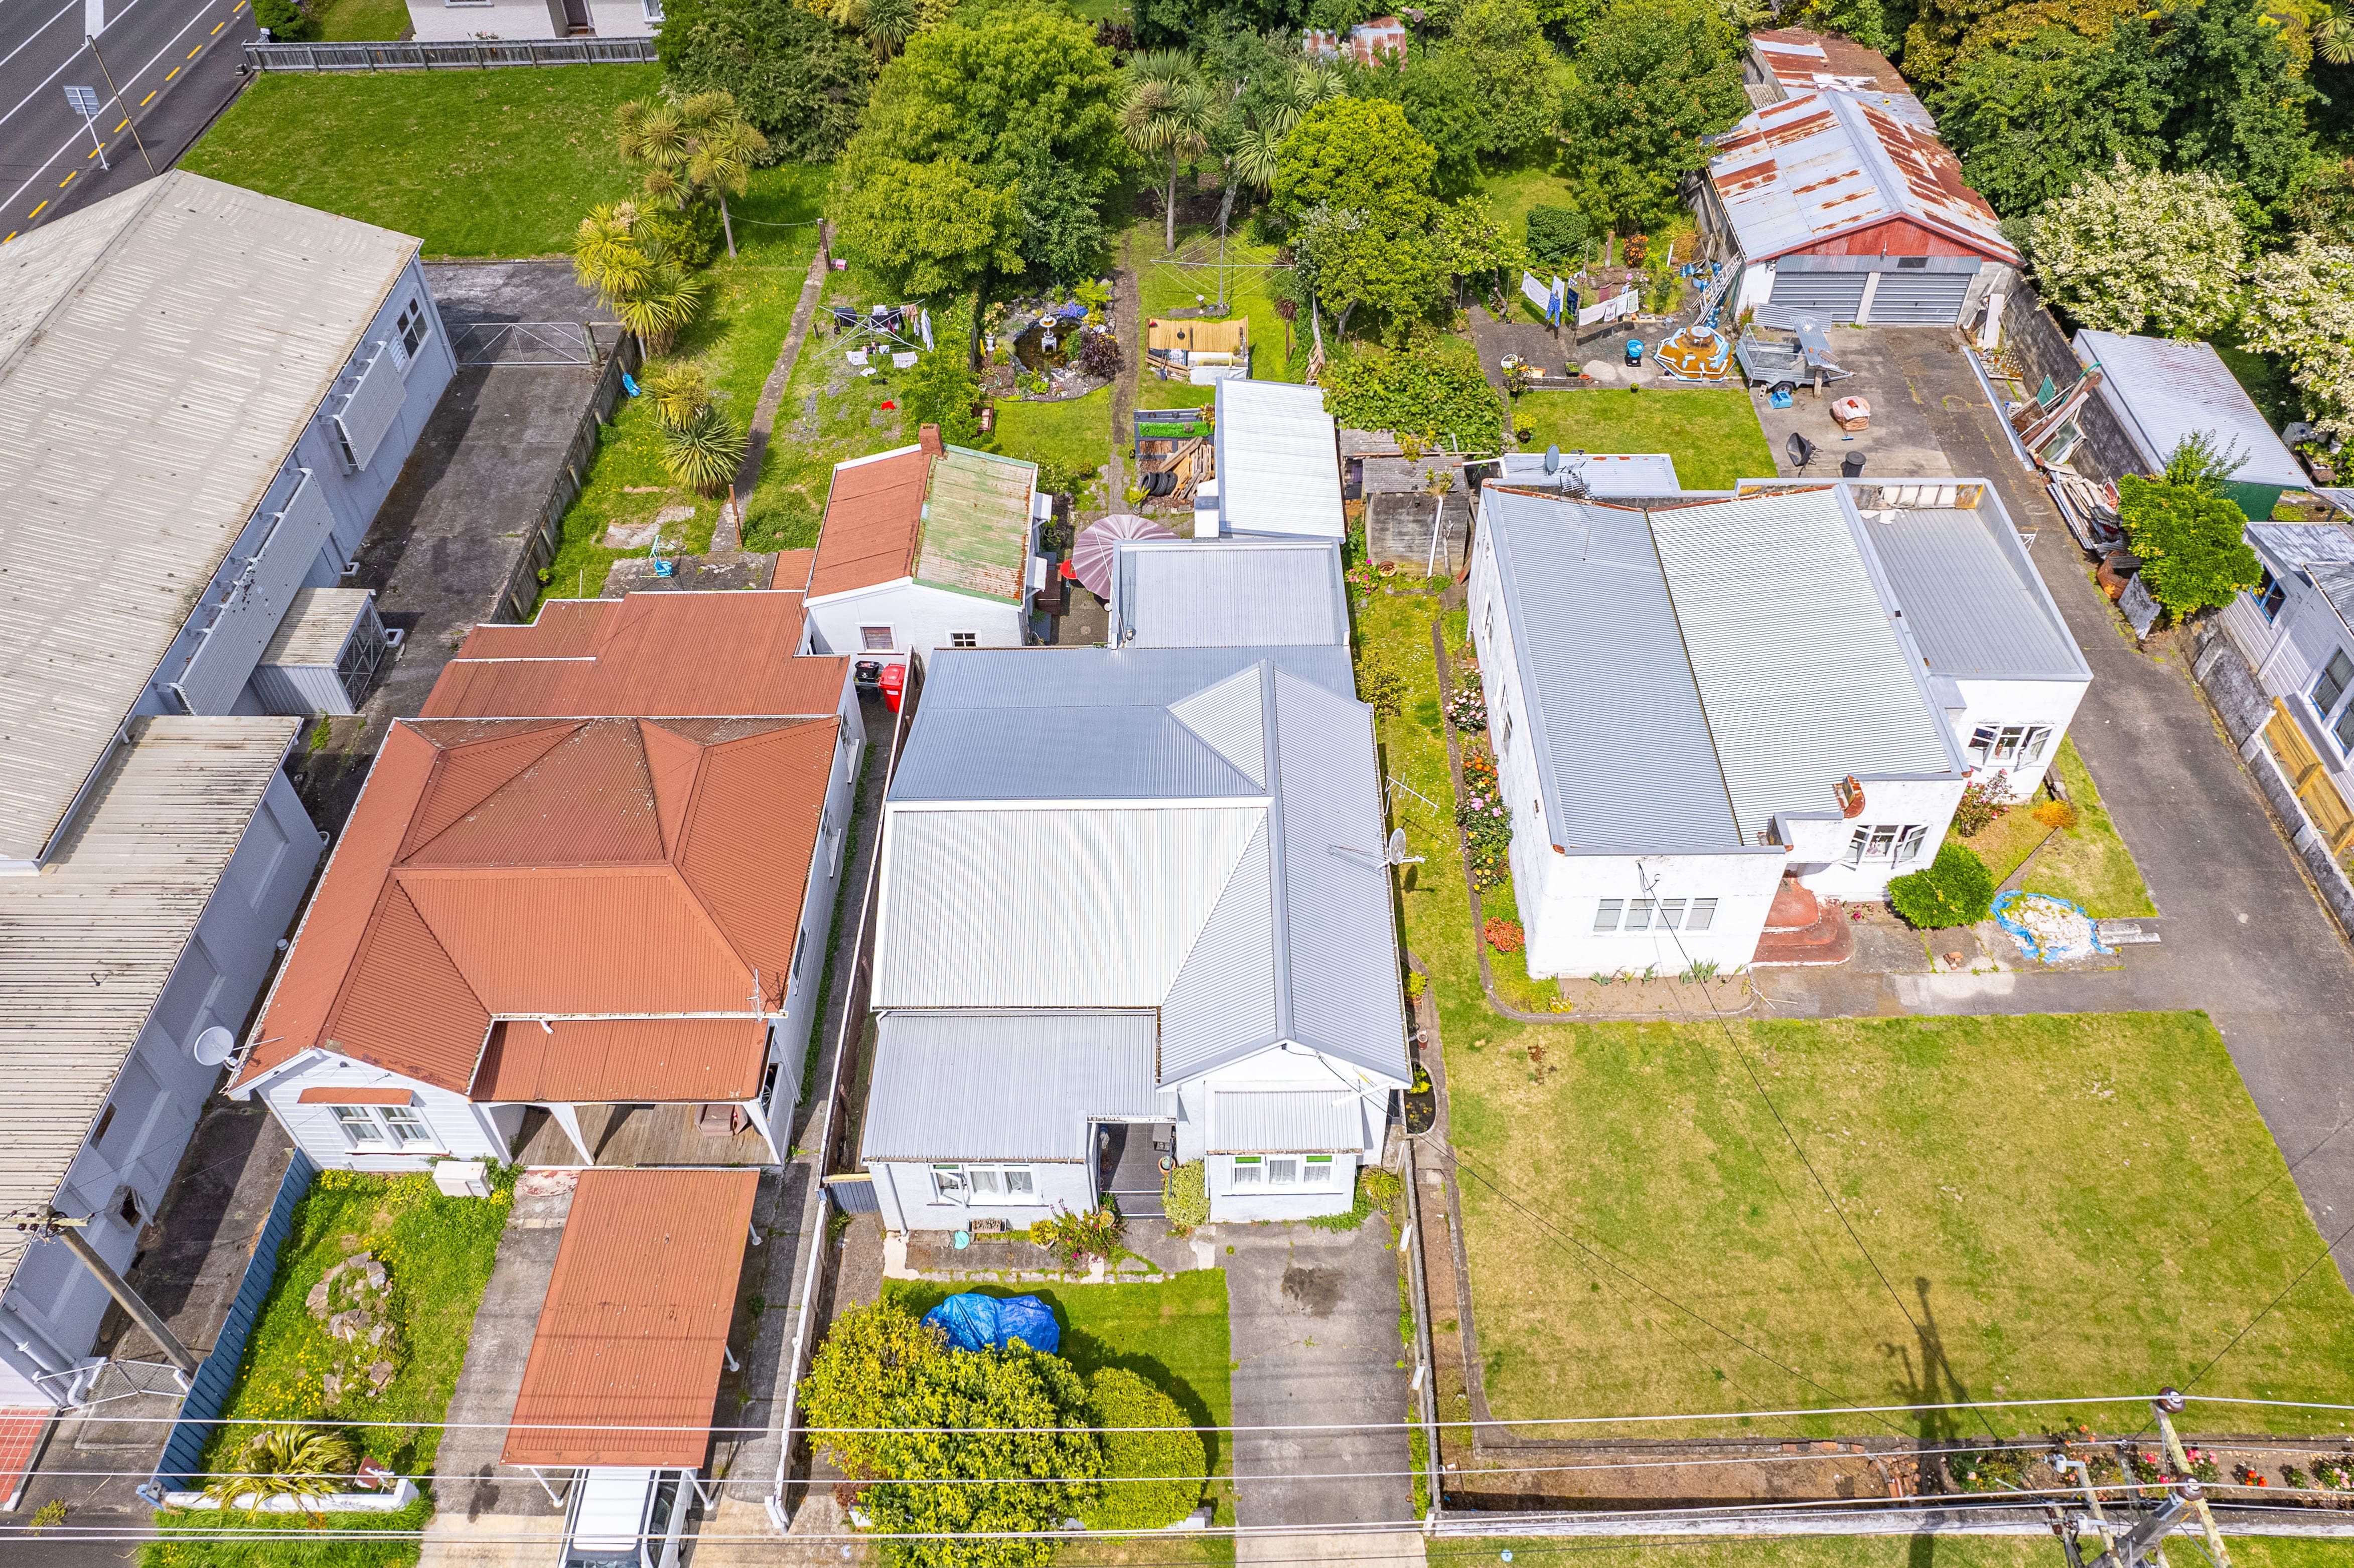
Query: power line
x=2284, y=1290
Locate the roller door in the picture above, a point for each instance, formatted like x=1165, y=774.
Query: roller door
x=1826, y=296
x=1919, y=298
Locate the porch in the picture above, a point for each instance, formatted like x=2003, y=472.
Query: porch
x=1127, y=1164
x=638, y=1135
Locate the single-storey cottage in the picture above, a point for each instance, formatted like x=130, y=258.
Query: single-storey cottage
x=2162, y=390
x=2295, y=630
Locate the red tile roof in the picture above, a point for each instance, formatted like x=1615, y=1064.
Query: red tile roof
x=529, y=868
x=793, y=567
x=636, y=1320
x=604, y=1060
x=653, y=654
x=874, y=523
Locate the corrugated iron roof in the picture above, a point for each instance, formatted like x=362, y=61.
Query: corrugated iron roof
x=1971, y=599
x=1607, y=476
x=150, y=390
x=2168, y=389
x=1228, y=593
x=1794, y=654
x=1286, y=1121
x=1004, y=1085
x=976, y=536
x=601, y=1061
x=318, y=623
x=87, y=945
x=874, y=521
x=528, y=868
x=1799, y=61
x=646, y=654
x=1278, y=460
x=1795, y=173
x=2296, y=545
x=635, y=1326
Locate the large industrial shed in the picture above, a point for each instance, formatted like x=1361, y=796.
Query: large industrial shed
x=205, y=394
x=1840, y=203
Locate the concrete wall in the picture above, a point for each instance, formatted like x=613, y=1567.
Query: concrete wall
x=2232, y=686
x=1335, y=1195
x=2043, y=350
x=2051, y=703
x=51, y=1312
x=921, y=619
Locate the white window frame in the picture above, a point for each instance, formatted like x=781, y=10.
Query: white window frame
x=2008, y=745
x=1893, y=844
x=990, y=1184
x=652, y=9
x=1317, y=1170
x=411, y=330
x=867, y=643
x=2338, y=683
x=1249, y=1171
x=964, y=638
x=382, y=1137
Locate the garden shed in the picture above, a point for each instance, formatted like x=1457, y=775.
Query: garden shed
x=325, y=653
x=2162, y=390
x=1278, y=461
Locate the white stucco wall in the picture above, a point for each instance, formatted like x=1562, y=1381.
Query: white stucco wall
x=921, y=618
x=1562, y=938
x=1818, y=840
x=2006, y=703
x=462, y=21
x=905, y=1192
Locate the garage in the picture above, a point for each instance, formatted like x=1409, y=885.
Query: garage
x=1915, y=296
x=1825, y=296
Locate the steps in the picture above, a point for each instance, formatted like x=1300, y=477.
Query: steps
x=1803, y=931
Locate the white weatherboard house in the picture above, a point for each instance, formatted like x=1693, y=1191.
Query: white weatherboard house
x=2295, y=630
x=1173, y=936
x=464, y=21
x=1277, y=455
x=1690, y=699
x=183, y=451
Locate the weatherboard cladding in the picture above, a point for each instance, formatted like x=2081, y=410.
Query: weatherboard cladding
x=1285, y=1121
x=1228, y=593
x=1969, y=603
x=1794, y=701
x=1616, y=716
x=1004, y=1085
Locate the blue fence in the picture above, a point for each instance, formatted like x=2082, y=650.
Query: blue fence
x=208, y=1390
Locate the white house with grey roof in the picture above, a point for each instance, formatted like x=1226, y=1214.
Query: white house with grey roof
x=2295, y=630
x=1693, y=698
x=205, y=394
x=1228, y=593
x=1171, y=938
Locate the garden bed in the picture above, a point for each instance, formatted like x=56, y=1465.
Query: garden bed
x=2087, y=864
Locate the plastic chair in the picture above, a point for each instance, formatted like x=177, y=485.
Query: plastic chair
x=1801, y=451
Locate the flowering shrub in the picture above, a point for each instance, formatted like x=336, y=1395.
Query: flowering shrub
x=2057, y=815
x=2141, y=250
x=2335, y=1471
x=1486, y=821
x=1468, y=708
x=1080, y=1237
x=1505, y=936
x=2301, y=306
x=1983, y=804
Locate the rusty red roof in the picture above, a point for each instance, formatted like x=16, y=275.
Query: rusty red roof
x=1803, y=61
x=873, y=522
x=635, y=1325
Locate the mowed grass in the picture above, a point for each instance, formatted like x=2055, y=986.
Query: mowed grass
x=2087, y=864
x=1073, y=439
x=364, y=21
x=277, y=1541
x=1949, y=1550
x=2084, y=1206
x=492, y=162
x=1712, y=433
x=1168, y=281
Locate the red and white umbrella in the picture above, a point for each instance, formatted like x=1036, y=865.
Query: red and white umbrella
x=1098, y=544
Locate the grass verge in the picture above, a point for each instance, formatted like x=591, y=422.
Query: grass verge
x=180, y=1544
x=1712, y=433
x=364, y=21
x=491, y=163
x=2074, y=1206
x=2087, y=864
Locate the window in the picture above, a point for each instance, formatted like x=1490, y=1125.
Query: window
x=1319, y=1173
x=875, y=639
x=2005, y=744
x=984, y=1184
x=2270, y=594
x=1249, y=1171
x=1639, y=915
x=654, y=10
x=1283, y=1172
x=1895, y=845
x=1920, y=263
x=1491, y=622
x=2345, y=730
x=800, y=940
x=964, y=638
x=1702, y=916
x=104, y=1122
x=1505, y=744
x=2333, y=683
x=1606, y=913
x=1672, y=914
x=380, y=1130
x=409, y=332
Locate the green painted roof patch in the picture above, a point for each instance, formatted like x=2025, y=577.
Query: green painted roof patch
x=976, y=529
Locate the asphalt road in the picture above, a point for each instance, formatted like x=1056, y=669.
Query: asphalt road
x=174, y=63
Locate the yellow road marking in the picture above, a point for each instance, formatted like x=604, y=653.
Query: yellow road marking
x=118, y=129
x=12, y=234
x=173, y=72
x=146, y=100
x=192, y=53
x=37, y=211
x=68, y=180
x=95, y=150
x=216, y=27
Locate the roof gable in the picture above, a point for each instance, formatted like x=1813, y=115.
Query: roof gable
x=874, y=517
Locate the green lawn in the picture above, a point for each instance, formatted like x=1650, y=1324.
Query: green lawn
x=2083, y=1204
x=1073, y=439
x=364, y=21
x=1171, y=1332
x=492, y=163
x=749, y=310
x=1880, y=1552
x=1710, y=433
x=178, y=1545
x=2087, y=864
x=1168, y=281
x=1510, y=191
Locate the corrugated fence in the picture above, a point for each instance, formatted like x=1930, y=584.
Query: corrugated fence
x=184, y=1450
x=485, y=55
x=523, y=588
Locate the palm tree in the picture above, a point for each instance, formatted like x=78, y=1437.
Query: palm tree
x=1167, y=106
x=605, y=256
x=678, y=390
x=705, y=452
x=668, y=299
x=888, y=24
x=2333, y=39
x=700, y=145
x=286, y=1460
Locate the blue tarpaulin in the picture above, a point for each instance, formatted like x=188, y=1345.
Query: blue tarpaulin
x=976, y=1322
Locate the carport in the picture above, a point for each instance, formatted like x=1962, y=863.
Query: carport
x=624, y=1368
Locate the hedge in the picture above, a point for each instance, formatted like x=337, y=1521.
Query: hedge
x=1121, y=1398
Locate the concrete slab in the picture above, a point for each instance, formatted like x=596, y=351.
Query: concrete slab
x=1314, y=1326
x=1391, y=1549
x=1899, y=442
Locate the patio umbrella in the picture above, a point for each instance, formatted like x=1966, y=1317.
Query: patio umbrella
x=1092, y=553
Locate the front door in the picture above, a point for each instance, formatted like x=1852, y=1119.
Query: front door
x=1129, y=1156
x=576, y=16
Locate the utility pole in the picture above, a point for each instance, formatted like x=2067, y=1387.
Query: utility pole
x=117, y=92
x=50, y=1225
x=2142, y=1546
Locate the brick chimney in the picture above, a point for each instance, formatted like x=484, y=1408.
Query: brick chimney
x=930, y=440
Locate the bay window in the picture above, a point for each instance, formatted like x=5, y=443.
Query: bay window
x=1893, y=844
x=2005, y=745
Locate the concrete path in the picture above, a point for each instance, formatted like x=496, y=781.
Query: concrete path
x=727, y=536
x=1314, y=1330
x=2245, y=937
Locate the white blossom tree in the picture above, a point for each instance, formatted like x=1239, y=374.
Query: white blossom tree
x=2301, y=306
x=2137, y=249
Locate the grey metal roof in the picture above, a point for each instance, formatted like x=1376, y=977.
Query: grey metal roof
x=1227, y=593
x=2336, y=581
x=1794, y=653
x=1140, y=753
x=1603, y=474
x=1619, y=728
x=1004, y=1086
x=1970, y=598
x=2165, y=388
x=2294, y=545
x=1278, y=460
x=1286, y=1121
x=117, y=904
x=160, y=353
x=1234, y=915
x=318, y=623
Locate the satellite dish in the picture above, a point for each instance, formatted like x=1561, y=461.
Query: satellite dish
x=213, y=1046
x=1394, y=852
x=1552, y=460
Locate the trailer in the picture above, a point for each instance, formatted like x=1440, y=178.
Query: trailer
x=1806, y=360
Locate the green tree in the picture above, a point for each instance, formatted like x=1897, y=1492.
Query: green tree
x=1121, y=1399
x=941, y=391
x=2300, y=306
x=2193, y=556
x=2029, y=121
x=932, y=228
x=1957, y=889
x=801, y=80
x=1865, y=21
x=1655, y=76
x=1355, y=155
x=1473, y=245
x=1438, y=90
x=697, y=148
x=2135, y=249
x=1166, y=106
x=1502, y=48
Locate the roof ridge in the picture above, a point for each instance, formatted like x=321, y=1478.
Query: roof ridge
x=1278, y=838
x=155, y=191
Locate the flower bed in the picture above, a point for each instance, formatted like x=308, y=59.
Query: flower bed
x=1486, y=821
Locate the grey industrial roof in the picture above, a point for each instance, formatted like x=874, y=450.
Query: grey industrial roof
x=1004, y=1086
x=1616, y=716
x=87, y=945
x=2336, y=581
x=1248, y=913
x=2296, y=545
x=1970, y=597
x=318, y=623
x=1278, y=460
x=1228, y=593
x=1285, y=1121
x=1795, y=652
x=2167, y=388
x=160, y=353
x=1603, y=474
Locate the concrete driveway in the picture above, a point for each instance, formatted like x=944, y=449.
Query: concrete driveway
x=2244, y=936
x=1314, y=1329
